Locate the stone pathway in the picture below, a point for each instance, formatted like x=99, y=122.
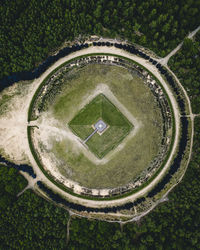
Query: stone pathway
x=94, y=132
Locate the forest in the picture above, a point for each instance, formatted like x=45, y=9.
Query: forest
x=186, y=65
x=32, y=30
x=30, y=222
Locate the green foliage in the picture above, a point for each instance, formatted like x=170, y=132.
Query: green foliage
x=85, y=234
x=186, y=65
x=189, y=47
x=28, y=222
x=11, y=183
x=32, y=223
x=101, y=108
x=30, y=30
x=173, y=225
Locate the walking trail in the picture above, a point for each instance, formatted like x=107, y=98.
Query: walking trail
x=165, y=59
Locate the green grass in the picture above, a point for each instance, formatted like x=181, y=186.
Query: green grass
x=89, y=114
x=64, y=188
x=101, y=108
x=135, y=153
x=101, y=145
x=132, y=159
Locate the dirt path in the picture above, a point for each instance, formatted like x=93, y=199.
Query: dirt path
x=20, y=193
x=165, y=59
x=193, y=33
x=31, y=182
x=68, y=229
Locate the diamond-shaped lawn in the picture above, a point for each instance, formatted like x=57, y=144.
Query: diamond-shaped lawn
x=118, y=125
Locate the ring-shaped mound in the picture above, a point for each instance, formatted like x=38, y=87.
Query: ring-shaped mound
x=135, y=92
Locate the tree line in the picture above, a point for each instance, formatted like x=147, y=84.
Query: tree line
x=30, y=221
x=31, y=30
x=186, y=65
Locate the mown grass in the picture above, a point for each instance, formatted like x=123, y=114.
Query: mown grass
x=80, y=156
x=136, y=153
x=102, y=145
x=101, y=108
x=89, y=114
x=84, y=171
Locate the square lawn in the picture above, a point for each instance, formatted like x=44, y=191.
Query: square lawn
x=101, y=108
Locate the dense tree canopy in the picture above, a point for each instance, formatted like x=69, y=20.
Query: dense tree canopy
x=11, y=183
x=33, y=222
x=30, y=30
x=186, y=65
x=173, y=225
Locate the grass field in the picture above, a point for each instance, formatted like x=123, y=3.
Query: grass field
x=101, y=108
x=136, y=153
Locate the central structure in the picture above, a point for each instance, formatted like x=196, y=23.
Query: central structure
x=97, y=117
x=99, y=127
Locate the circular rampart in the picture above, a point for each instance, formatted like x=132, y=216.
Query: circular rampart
x=169, y=109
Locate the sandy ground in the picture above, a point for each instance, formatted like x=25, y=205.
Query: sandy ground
x=51, y=128
x=15, y=136
x=48, y=126
x=13, y=123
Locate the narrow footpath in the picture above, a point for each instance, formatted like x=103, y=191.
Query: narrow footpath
x=164, y=60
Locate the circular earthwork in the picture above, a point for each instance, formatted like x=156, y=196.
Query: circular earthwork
x=120, y=80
